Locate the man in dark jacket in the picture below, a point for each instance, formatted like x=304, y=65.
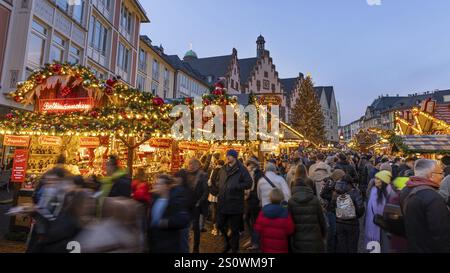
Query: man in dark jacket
x=344, y=165
x=427, y=219
x=198, y=184
x=233, y=180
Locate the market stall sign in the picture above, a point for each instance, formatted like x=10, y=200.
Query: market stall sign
x=193, y=146
x=160, y=142
x=17, y=141
x=270, y=100
x=50, y=140
x=19, y=166
x=89, y=142
x=65, y=105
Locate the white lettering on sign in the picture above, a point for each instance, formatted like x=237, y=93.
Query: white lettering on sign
x=56, y=106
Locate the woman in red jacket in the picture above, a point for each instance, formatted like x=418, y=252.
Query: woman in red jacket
x=140, y=188
x=274, y=225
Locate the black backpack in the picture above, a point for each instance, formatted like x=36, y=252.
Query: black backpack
x=392, y=219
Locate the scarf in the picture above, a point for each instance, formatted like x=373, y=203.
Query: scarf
x=107, y=184
x=420, y=181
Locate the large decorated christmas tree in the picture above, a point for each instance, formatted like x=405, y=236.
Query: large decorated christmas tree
x=307, y=116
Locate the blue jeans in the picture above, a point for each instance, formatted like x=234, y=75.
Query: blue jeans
x=331, y=236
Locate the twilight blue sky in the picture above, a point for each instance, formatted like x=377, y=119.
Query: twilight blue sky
x=398, y=47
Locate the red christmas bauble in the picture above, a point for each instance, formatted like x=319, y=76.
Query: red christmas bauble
x=206, y=101
x=17, y=98
x=157, y=101
x=94, y=114
x=124, y=115
x=9, y=116
x=111, y=82
x=56, y=68
x=39, y=79
x=188, y=100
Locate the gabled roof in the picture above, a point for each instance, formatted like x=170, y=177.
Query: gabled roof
x=288, y=85
x=212, y=66
x=398, y=102
x=146, y=40
x=329, y=91
x=246, y=67
x=178, y=64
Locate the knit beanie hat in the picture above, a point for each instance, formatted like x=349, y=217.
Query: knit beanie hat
x=386, y=167
x=384, y=176
x=232, y=153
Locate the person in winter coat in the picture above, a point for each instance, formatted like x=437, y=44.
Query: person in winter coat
x=169, y=217
x=318, y=173
x=290, y=176
x=343, y=164
x=347, y=228
x=382, y=167
x=407, y=166
x=117, y=181
x=274, y=225
x=426, y=216
x=140, y=188
x=309, y=220
x=328, y=194
x=377, y=198
x=233, y=180
x=213, y=191
x=444, y=190
x=198, y=184
x=300, y=172
x=264, y=186
x=252, y=202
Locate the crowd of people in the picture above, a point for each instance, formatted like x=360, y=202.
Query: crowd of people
x=292, y=203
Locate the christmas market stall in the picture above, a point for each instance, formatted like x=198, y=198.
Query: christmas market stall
x=77, y=115
x=427, y=146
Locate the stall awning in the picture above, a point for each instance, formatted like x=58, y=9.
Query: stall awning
x=426, y=143
x=294, y=134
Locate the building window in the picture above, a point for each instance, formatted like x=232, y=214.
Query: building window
x=258, y=85
x=155, y=70
x=58, y=48
x=126, y=19
x=97, y=73
x=140, y=83
x=232, y=83
x=142, y=60
x=273, y=88
x=266, y=84
x=123, y=57
x=99, y=34
x=166, y=78
x=63, y=4
x=237, y=86
x=154, y=88
x=77, y=11
x=36, y=45
x=74, y=54
x=266, y=74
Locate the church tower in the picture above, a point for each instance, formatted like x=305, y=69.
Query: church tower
x=260, y=46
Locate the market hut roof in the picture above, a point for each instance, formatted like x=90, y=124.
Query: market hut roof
x=424, y=144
